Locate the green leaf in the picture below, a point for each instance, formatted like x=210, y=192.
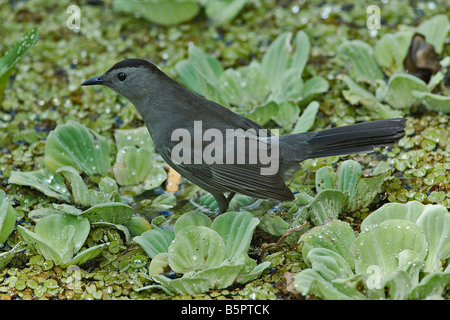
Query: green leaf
x=302, y=50
x=80, y=193
x=435, y=223
x=400, y=86
x=367, y=189
x=435, y=102
x=137, y=225
x=246, y=86
x=432, y=286
x=276, y=60
x=359, y=60
x=307, y=118
x=325, y=178
x=135, y=165
x=165, y=201
x=158, y=264
x=155, y=241
x=136, y=137
x=192, y=218
x=310, y=281
x=328, y=204
x=435, y=31
x=313, y=86
x=207, y=71
x=6, y=257
x=86, y=255
x=410, y=211
x=221, y=11
x=334, y=235
x=195, y=248
x=47, y=182
x=113, y=212
x=236, y=230
x=9, y=60
x=72, y=144
x=262, y=114
x=57, y=237
x=358, y=95
x=7, y=217
x=329, y=264
x=221, y=276
x=392, y=245
x=287, y=114
x=391, y=50
x=166, y=12
x=349, y=173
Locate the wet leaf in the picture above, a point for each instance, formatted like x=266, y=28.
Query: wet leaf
x=400, y=86
x=435, y=31
x=47, y=182
x=57, y=237
x=72, y=144
x=192, y=218
x=167, y=12
x=195, y=248
x=9, y=60
x=359, y=60
x=155, y=241
x=236, y=230
x=221, y=11
x=391, y=245
x=7, y=217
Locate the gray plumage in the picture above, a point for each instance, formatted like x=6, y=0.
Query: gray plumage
x=165, y=106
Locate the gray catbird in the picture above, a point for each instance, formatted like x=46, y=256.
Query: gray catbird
x=223, y=152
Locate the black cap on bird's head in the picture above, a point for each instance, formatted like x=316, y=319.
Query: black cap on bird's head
x=122, y=65
x=137, y=80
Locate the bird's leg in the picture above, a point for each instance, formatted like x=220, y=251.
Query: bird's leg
x=230, y=197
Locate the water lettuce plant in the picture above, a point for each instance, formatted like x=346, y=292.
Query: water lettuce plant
x=263, y=91
x=61, y=230
x=7, y=218
x=208, y=254
x=345, y=191
x=59, y=237
x=171, y=12
x=72, y=149
x=402, y=252
x=72, y=144
x=9, y=60
x=404, y=89
x=138, y=167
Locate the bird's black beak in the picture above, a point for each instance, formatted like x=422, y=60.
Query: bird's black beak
x=93, y=81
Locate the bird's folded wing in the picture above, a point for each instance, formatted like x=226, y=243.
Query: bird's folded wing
x=242, y=178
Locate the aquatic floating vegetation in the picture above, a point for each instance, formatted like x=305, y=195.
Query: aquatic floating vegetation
x=7, y=217
x=137, y=168
x=6, y=257
x=72, y=144
x=209, y=254
x=347, y=190
x=49, y=183
x=401, y=253
x=170, y=12
x=72, y=149
x=9, y=60
x=61, y=231
x=263, y=91
x=59, y=237
x=403, y=90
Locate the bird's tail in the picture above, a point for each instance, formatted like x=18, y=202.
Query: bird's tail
x=352, y=139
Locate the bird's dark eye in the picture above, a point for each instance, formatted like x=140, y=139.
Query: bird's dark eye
x=121, y=76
